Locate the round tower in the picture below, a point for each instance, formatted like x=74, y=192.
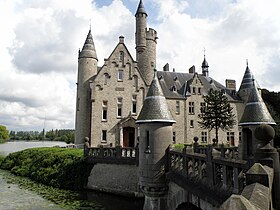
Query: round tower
x=155, y=124
x=145, y=44
x=87, y=67
x=141, y=28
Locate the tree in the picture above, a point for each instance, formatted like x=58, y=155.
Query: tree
x=218, y=113
x=4, y=133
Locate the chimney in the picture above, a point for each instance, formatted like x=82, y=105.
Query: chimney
x=230, y=84
x=121, y=39
x=166, y=67
x=192, y=70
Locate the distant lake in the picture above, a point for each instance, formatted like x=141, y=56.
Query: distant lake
x=14, y=146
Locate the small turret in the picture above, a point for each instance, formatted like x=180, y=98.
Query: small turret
x=155, y=124
x=205, y=67
x=87, y=67
x=256, y=112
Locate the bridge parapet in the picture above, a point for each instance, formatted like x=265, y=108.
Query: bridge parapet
x=114, y=155
x=211, y=177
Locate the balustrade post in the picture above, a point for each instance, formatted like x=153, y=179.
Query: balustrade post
x=195, y=144
x=101, y=152
x=225, y=176
x=236, y=186
x=185, y=159
x=209, y=166
x=167, y=159
x=137, y=155
x=118, y=152
x=222, y=150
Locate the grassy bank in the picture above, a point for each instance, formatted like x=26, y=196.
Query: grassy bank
x=57, y=167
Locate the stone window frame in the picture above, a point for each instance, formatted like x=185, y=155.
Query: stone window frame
x=191, y=123
x=174, y=138
x=202, y=107
x=191, y=107
x=120, y=75
x=104, y=136
x=119, y=107
x=122, y=57
x=134, y=105
x=230, y=136
x=177, y=107
x=204, y=136
x=193, y=90
x=104, y=111
x=199, y=91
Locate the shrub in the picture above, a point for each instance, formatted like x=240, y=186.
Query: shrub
x=56, y=167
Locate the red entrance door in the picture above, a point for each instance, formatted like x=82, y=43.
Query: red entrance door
x=128, y=137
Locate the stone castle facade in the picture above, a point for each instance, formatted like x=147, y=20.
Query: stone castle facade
x=110, y=97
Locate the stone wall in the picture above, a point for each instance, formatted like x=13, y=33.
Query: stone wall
x=116, y=179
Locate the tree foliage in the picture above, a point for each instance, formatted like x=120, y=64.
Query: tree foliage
x=66, y=135
x=218, y=113
x=272, y=100
x=4, y=133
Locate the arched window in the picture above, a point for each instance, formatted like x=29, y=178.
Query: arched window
x=135, y=81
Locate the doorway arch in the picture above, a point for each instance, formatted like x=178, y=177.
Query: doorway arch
x=128, y=137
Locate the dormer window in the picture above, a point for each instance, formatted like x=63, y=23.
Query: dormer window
x=173, y=88
x=199, y=90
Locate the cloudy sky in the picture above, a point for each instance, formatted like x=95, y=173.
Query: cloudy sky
x=40, y=41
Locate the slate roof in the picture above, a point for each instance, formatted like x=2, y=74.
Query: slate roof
x=247, y=81
x=256, y=112
x=177, y=85
x=88, y=50
x=141, y=8
x=155, y=108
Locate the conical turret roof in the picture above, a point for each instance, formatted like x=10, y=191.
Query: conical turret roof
x=141, y=8
x=247, y=81
x=256, y=112
x=155, y=107
x=88, y=50
x=204, y=63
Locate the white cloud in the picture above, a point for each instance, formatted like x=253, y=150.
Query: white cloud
x=40, y=41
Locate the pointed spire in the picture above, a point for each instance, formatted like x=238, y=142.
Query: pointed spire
x=247, y=81
x=88, y=50
x=155, y=108
x=205, y=66
x=256, y=112
x=141, y=9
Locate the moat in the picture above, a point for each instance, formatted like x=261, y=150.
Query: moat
x=30, y=195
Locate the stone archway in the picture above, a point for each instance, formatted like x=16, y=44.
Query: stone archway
x=128, y=132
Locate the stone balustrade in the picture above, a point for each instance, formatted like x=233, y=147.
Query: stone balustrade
x=114, y=155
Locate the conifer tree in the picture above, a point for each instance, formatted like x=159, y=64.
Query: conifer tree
x=218, y=113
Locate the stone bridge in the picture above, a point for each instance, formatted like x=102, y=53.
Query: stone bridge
x=196, y=177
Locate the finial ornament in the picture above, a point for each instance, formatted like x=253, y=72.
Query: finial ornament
x=247, y=62
x=90, y=24
x=204, y=50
